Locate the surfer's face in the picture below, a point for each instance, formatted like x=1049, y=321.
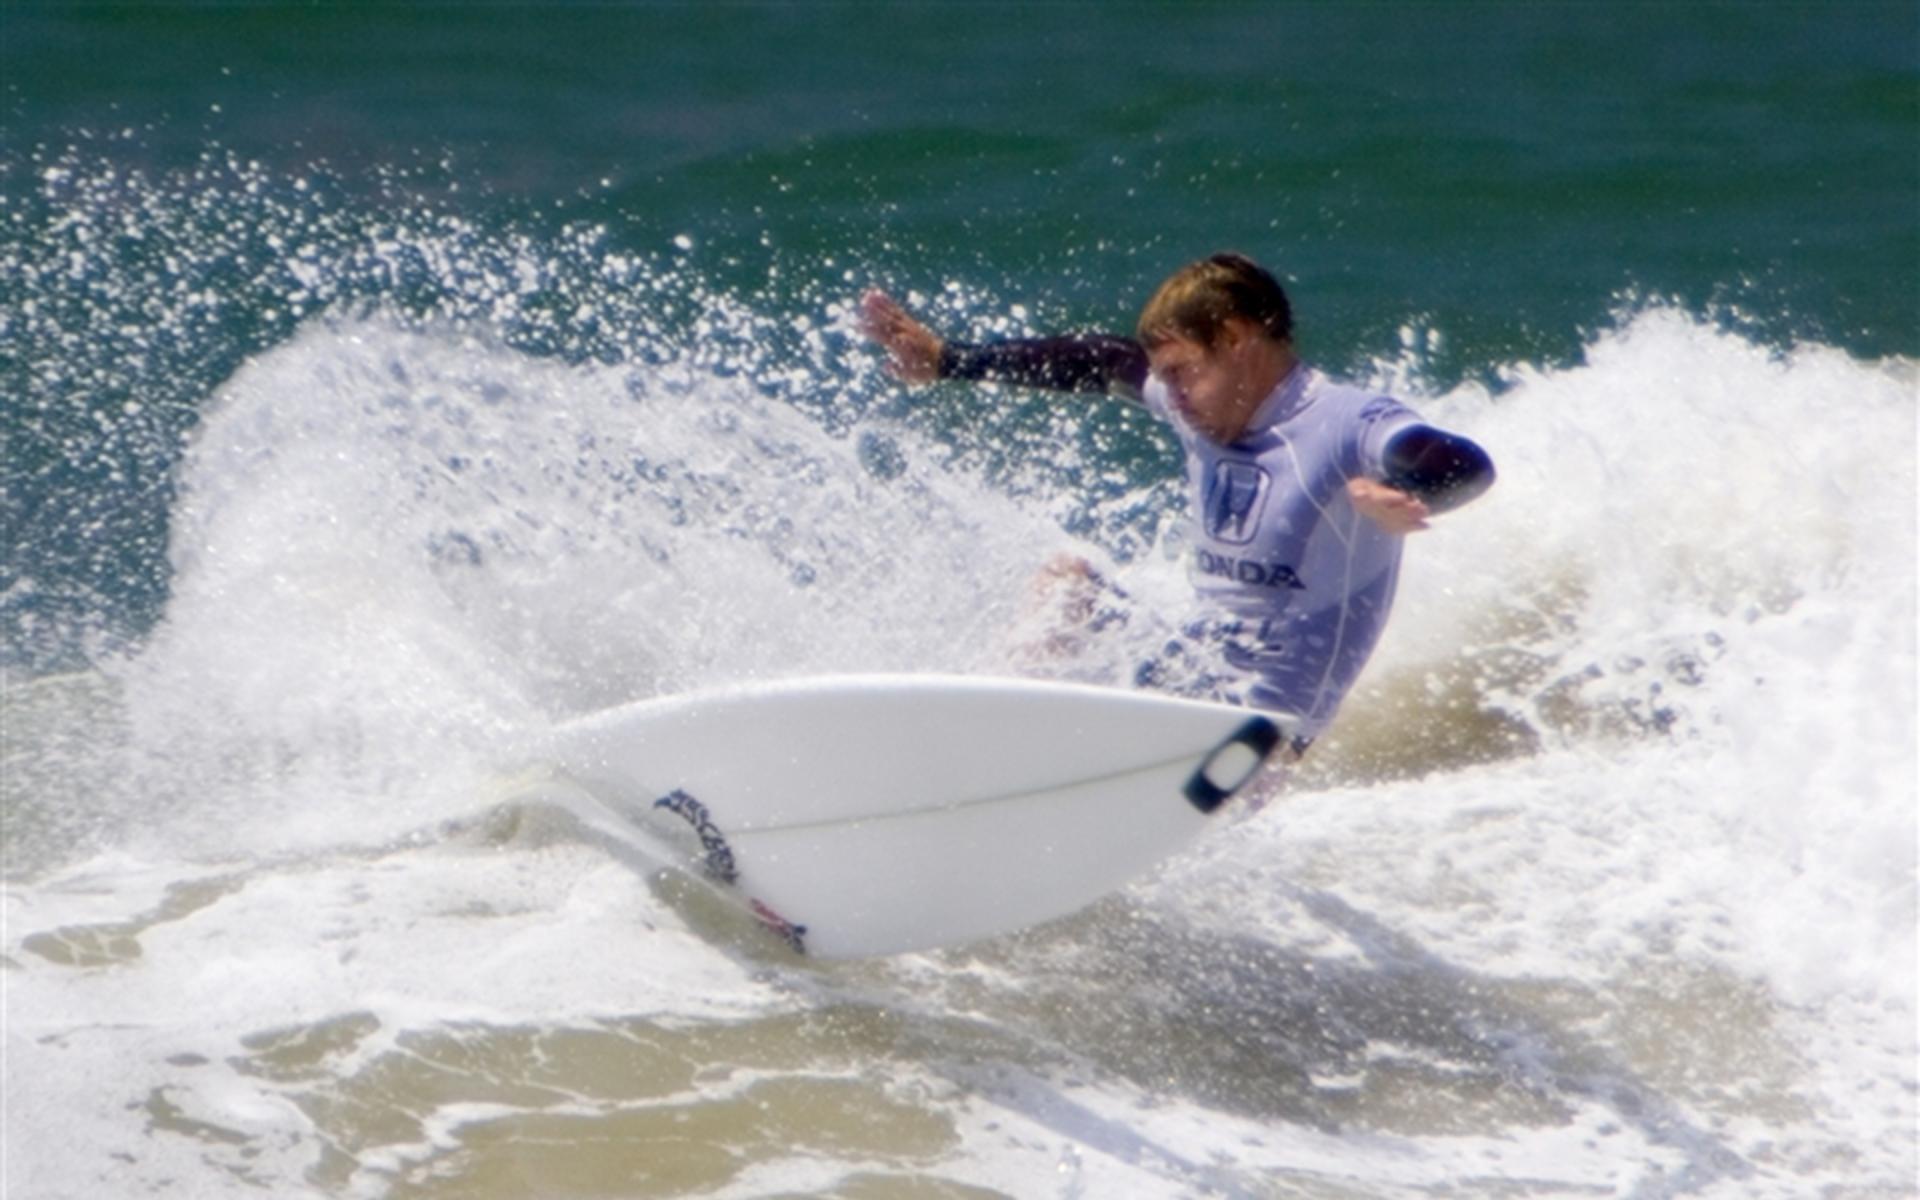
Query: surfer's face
x=1215, y=388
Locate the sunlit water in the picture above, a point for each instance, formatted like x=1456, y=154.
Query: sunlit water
x=379, y=387
x=1602, y=886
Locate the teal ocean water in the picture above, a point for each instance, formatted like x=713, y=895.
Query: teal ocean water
x=185, y=186
x=381, y=384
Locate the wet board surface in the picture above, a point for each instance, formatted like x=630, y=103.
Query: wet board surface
x=866, y=815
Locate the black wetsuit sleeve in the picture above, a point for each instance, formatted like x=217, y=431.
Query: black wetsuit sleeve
x=1075, y=363
x=1443, y=469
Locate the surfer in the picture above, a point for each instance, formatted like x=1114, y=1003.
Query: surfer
x=1301, y=489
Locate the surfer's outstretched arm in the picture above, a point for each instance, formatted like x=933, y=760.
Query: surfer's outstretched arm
x=1073, y=363
x=1428, y=471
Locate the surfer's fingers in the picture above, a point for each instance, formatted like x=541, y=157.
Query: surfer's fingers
x=883, y=317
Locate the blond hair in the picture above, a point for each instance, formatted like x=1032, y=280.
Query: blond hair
x=1196, y=302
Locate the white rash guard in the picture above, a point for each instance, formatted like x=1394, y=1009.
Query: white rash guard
x=1296, y=583
x=1301, y=582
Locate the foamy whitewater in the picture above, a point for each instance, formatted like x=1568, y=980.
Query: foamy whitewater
x=1603, y=885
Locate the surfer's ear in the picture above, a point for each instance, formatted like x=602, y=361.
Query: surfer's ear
x=1235, y=334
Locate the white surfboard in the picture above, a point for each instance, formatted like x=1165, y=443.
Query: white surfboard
x=869, y=815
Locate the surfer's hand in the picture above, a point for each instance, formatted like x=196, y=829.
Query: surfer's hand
x=912, y=348
x=1393, y=510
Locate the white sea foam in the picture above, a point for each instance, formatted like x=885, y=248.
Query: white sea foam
x=1716, y=543
x=1656, y=940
